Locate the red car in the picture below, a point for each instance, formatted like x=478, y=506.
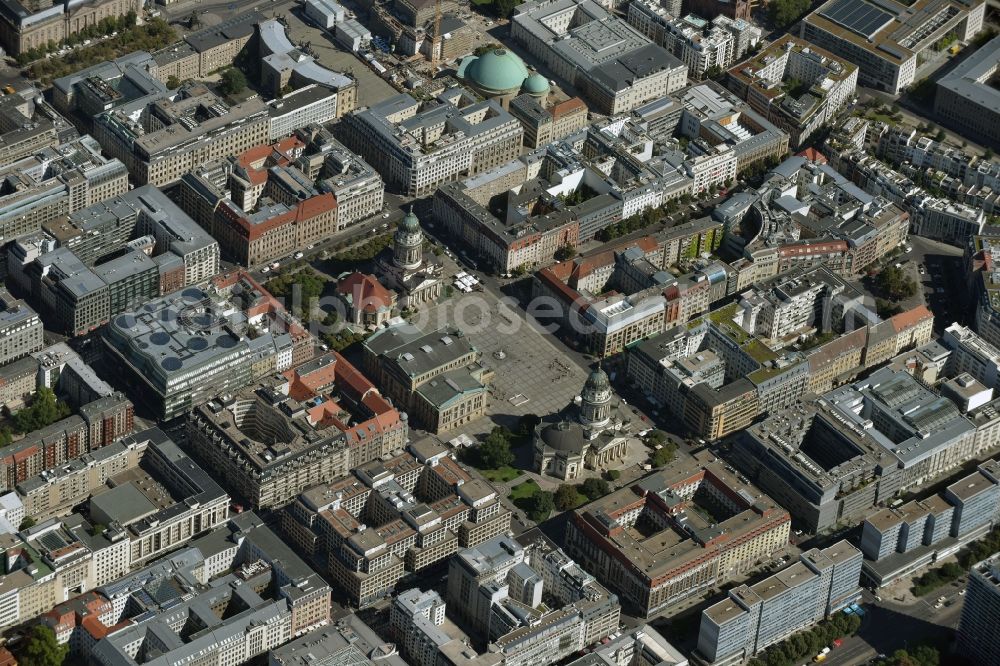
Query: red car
x=837, y=642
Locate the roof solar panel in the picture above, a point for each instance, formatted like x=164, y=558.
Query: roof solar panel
x=857, y=16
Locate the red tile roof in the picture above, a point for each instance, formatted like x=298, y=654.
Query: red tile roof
x=910, y=318
x=365, y=291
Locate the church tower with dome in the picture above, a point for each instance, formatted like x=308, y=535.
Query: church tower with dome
x=403, y=268
x=595, y=400
x=408, y=243
x=591, y=433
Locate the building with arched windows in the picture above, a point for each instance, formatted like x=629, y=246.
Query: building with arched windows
x=593, y=433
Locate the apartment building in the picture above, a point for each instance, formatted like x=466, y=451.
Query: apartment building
x=650, y=574
x=66, y=485
x=54, y=561
x=700, y=44
x=98, y=424
x=419, y=507
x=757, y=616
x=826, y=84
x=417, y=146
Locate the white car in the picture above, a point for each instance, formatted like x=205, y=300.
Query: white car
x=265, y=270
x=299, y=255
x=385, y=216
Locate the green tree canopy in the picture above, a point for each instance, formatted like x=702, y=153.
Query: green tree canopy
x=565, y=497
x=495, y=452
x=595, y=488
x=783, y=13
x=540, y=505
x=41, y=648
x=664, y=455
x=44, y=410
x=232, y=81
x=895, y=284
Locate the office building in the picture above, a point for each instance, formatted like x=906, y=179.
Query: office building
x=182, y=349
x=357, y=187
x=504, y=583
x=966, y=101
x=54, y=182
x=284, y=66
x=208, y=50
x=416, y=146
x=323, y=418
x=21, y=329
x=163, y=503
x=28, y=26
x=650, y=574
x=612, y=63
x=757, y=616
x=885, y=41
x=346, y=642
x=544, y=124
x=128, y=79
x=29, y=124
x=899, y=541
x=715, y=116
x=826, y=464
x=193, y=125
x=976, y=636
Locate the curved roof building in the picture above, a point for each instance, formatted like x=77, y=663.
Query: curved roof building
x=499, y=72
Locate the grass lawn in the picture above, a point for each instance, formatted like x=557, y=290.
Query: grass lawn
x=523, y=490
x=502, y=475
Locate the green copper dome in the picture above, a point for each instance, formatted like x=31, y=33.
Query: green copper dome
x=497, y=71
x=598, y=380
x=409, y=223
x=536, y=84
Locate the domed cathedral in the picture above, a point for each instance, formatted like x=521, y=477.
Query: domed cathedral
x=592, y=433
x=498, y=73
x=403, y=269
